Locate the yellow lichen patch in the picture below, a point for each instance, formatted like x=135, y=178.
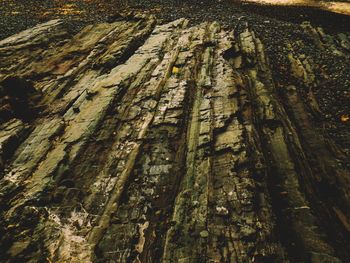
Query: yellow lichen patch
x=345, y=117
x=175, y=70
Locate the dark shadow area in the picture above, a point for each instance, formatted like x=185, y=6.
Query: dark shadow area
x=18, y=99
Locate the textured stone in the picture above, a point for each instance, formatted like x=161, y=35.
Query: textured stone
x=167, y=143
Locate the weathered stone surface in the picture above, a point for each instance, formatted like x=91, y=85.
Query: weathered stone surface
x=167, y=143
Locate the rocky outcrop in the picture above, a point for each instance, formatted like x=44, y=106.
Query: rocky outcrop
x=165, y=143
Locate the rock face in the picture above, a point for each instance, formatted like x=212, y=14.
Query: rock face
x=165, y=143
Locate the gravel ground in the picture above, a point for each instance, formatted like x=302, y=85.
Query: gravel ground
x=18, y=15
x=276, y=26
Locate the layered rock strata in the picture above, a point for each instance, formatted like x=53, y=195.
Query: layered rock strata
x=164, y=143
